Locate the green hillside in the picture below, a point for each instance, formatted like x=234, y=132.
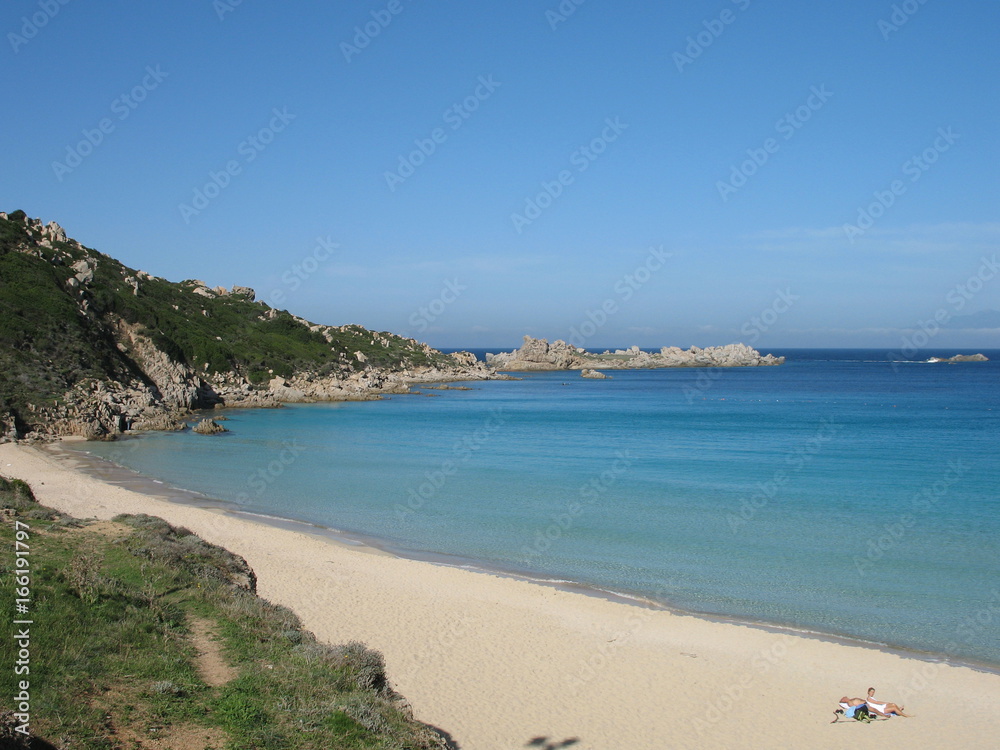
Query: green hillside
x=62, y=306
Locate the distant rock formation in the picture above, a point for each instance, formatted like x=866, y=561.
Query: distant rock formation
x=592, y=374
x=961, y=358
x=539, y=354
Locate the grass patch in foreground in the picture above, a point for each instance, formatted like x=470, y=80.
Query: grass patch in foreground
x=115, y=664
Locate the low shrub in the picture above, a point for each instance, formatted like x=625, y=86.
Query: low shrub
x=158, y=541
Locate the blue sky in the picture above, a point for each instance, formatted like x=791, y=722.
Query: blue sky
x=783, y=173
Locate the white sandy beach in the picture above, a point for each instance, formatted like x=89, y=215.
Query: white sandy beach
x=498, y=662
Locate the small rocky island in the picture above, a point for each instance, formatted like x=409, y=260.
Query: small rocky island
x=960, y=358
x=209, y=427
x=539, y=354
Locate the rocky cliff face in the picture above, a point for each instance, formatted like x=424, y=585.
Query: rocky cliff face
x=90, y=347
x=539, y=354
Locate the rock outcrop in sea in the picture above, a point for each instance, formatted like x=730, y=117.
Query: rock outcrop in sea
x=539, y=354
x=961, y=358
x=209, y=427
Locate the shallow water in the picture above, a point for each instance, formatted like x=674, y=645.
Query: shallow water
x=837, y=492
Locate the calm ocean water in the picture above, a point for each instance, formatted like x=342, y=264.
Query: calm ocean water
x=839, y=493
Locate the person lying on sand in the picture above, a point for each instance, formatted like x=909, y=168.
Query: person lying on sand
x=883, y=709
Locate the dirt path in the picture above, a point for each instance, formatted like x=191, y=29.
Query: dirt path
x=212, y=665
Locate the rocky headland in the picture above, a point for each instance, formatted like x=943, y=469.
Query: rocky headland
x=91, y=347
x=539, y=354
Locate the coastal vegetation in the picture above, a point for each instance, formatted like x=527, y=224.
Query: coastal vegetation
x=71, y=317
x=146, y=636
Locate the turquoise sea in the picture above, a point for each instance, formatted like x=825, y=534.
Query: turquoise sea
x=839, y=493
